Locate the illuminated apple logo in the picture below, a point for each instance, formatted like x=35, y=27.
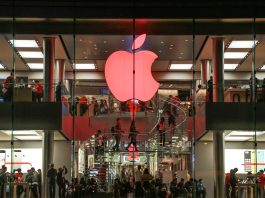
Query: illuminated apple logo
x=119, y=73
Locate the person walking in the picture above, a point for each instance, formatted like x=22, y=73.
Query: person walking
x=210, y=89
x=118, y=131
x=51, y=175
x=39, y=182
x=8, y=86
x=233, y=182
x=138, y=182
x=39, y=90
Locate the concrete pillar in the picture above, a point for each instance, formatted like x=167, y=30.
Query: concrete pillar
x=60, y=71
x=48, y=96
x=206, y=71
x=218, y=136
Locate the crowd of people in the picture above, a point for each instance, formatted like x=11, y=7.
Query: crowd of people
x=143, y=184
x=31, y=182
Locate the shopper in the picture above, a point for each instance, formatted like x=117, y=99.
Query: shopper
x=201, y=190
x=39, y=90
x=34, y=186
x=58, y=92
x=51, y=175
x=263, y=90
x=133, y=135
x=253, y=88
x=39, y=182
x=162, y=131
x=146, y=178
x=261, y=182
x=233, y=182
x=227, y=183
x=3, y=180
x=18, y=181
x=83, y=105
x=118, y=132
x=8, y=87
x=210, y=89
x=60, y=183
x=138, y=182
x=171, y=122
x=173, y=186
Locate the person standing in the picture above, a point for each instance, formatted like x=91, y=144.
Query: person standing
x=118, y=131
x=3, y=180
x=58, y=92
x=8, y=85
x=138, y=182
x=233, y=183
x=261, y=182
x=210, y=89
x=52, y=174
x=201, y=190
x=227, y=183
x=39, y=182
x=34, y=183
x=39, y=90
x=18, y=181
x=132, y=135
x=263, y=90
x=162, y=131
x=171, y=122
x=60, y=182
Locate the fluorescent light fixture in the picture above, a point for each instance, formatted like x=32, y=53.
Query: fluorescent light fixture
x=242, y=44
x=230, y=66
x=2, y=66
x=246, y=133
x=235, y=55
x=238, y=138
x=28, y=137
x=22, y=132
x=180, y=66
x=85, y=66
x=24, y=43
x=35, y=65
x=31, y=54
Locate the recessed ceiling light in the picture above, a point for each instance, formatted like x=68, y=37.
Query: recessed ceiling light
x=84, y=52
x=85, y=57
x=80, y=40
x=186, y=40
x=122, y=40
x=85, y=66
x=106, y=51
x=181, y=53
x=28, y=137
x=31, y=54
x=24, y=43
x=95, y=45
x=170, y=48
x=171, y=45
x=162, y=42
x=2, y=66
x=35, y=65
x=104, y=42
x=242, y=44
x=160, y=51
x=230, y=66
x=235, y=55
x=245, y=133
x=180, y=66
x=179, y=57
x=96, y=48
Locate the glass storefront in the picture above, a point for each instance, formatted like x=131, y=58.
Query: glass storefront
x=98, y=98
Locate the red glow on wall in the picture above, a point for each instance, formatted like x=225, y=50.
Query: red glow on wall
x=119, y=73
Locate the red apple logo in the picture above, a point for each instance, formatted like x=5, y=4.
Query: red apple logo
x=119, y=73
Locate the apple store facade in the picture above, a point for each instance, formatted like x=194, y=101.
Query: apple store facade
x=99, y=90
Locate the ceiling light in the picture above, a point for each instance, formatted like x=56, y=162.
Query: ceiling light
x=28, y=137
x=160, y=51
x=2, y=66
x=170, y=48
x=230, y=66
x=35, y=65
x=186, y=40
x=234, y=55
x=31, y=54
x=162, y=42
x=85, y=66
x=104, y=41
x=246, y=133
x=171, y=45
x=24, y=43
x=242, y=44
x=80, y=40
x=179, y=57
x=181, y=53
x=106, y=51
x=239, y=138
x=122, y=40
x=180, y=66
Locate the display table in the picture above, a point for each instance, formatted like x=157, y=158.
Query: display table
x=22, y=94
x=246, y=190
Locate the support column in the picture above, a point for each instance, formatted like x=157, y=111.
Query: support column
x=60, y=71
x=218, y=136
x=48, y=96
x=205, y=71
